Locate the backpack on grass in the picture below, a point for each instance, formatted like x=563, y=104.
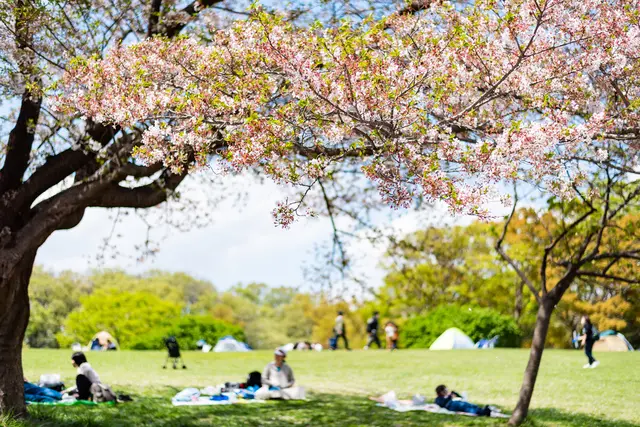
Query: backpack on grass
x=254, y=379
x=102, y=393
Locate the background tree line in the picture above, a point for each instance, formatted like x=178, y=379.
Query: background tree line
x=460, y=265
x=436, y=278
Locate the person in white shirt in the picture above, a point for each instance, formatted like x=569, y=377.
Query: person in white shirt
x=278, y=374
x=278, y=381
x=86, y=376
x=391, y=332
x=339, y=330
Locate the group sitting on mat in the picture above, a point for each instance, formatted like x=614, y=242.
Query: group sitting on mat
x=88, y=387
x=275, y=382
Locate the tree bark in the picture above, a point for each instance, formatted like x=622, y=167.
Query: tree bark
x=14, y=317
x=543, y=319
x=517, y=310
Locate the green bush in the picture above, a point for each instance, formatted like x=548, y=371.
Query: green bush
x=125, y=315
x=478, y=323
x=188, y=330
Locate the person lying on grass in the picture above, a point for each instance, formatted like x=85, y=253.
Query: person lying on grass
x=445, y=400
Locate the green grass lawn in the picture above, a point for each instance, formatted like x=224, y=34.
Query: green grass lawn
x=339, y=382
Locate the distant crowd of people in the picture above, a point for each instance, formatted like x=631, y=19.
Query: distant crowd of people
x=373, y=328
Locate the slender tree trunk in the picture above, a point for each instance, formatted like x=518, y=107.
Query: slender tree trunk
x=535, y=357
x=14, y=317
x=517, y=310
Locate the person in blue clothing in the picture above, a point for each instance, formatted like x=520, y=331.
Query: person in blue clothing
x=445, y=400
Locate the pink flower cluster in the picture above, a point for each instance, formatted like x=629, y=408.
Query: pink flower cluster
x=443, y=104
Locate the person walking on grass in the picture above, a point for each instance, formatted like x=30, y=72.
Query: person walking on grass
x=372, y=330
x=589, y=336
x=339, y=330
x=391, y=332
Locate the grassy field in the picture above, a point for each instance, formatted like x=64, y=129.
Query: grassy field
x=338, y=382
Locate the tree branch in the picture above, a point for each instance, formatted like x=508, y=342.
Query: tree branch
x=140, y=197
x=415, y=7
x=154, y=18
x=137, y=171
x=550, y=247
x=607, y=276
x=192, y=10
x=510, y=260
x=336, y=238
x=18, y=151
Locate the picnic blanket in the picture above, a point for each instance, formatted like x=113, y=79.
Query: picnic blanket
x=206, y=401
x=223, y=395
x=71, y=403
x=210, y=396
x=390, y=401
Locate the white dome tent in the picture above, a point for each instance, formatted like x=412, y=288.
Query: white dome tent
x=228, y=343
x=452, y=339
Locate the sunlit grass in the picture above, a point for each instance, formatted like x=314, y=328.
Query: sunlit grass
x=566, y=394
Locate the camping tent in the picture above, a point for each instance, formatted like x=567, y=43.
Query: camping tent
x=103, y=340
x=229, y=343
x=616, y=342
x=452, y=339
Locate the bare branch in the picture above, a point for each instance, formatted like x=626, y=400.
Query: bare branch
x=510, y=260
x=336, y=238
x=550, y=247
x=138, y=171
x=607, y=276
x=140, y=197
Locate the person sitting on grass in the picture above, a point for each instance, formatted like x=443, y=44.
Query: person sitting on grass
x=278, y=375
x=445, y=400
x=278, y=380
x=86, y=377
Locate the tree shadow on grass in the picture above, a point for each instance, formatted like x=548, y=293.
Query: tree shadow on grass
x=538, y=417
x=320, y=409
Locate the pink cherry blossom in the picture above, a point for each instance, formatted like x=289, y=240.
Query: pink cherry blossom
x=442, y=105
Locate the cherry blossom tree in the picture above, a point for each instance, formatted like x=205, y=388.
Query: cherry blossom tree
x=439, y=101
x=55, y=166
x=444, y=104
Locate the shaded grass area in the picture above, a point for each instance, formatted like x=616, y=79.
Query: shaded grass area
x=322, y=409
x=566, y=395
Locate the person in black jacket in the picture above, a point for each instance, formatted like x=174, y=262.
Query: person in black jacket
x=588, y=338
x=372, y=330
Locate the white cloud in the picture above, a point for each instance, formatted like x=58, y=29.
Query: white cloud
x=240, y=245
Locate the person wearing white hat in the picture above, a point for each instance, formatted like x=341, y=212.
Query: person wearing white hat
x=278, y=374
x=278, y=380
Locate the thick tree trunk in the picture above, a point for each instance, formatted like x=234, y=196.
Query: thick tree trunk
x=14, y=317
x=535, y=356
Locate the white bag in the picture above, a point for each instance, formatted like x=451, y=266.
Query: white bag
x=49, y=379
